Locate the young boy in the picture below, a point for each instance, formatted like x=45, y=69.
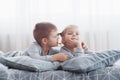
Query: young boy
x=46, y=37
x=77, y=62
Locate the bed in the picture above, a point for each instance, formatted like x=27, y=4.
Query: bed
x=7, y=73
x=108, y=73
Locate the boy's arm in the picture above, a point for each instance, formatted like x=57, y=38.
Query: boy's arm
x=35, y=52
x=59, y=57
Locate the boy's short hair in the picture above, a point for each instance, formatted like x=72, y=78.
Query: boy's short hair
x=42, y=30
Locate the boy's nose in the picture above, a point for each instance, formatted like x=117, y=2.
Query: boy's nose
x=58, y=37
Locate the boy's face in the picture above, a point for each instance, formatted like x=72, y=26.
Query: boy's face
x=53, y=39
x=71, y=37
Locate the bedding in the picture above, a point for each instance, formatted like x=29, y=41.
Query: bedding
x=17, y=60
x=29, y=64
x=81, y=64
x=91, y=62
x=10, y=73
x=15, y=65
x=108, y=73
x=3, y=72
x=38, y=65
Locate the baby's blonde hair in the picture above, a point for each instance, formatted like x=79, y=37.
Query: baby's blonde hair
x=68, y=27
x=64, y=31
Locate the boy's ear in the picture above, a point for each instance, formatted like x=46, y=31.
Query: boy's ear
x=44, y=41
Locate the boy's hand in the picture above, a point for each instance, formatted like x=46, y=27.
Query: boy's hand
x=59, y=57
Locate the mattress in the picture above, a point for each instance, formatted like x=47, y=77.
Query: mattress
x=108, y=73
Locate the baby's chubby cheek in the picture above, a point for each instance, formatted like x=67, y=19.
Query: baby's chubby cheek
x=76, y=42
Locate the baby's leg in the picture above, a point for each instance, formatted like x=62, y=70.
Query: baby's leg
x=109, y=57
x=92, y=61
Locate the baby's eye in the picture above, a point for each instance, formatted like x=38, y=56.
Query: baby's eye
x=77, y=34
x=70, y=33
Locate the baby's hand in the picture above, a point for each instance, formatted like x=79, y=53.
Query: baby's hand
x=84, y=46
x=59, y=57
x=73, y=43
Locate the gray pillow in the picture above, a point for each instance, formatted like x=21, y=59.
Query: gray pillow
x=91, y=61
x=4, y=72
x=29, y=64
x=15, y=65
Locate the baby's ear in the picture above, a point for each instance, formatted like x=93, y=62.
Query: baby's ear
x=44, y=40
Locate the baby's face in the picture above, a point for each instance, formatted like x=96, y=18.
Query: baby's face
x=71, y=36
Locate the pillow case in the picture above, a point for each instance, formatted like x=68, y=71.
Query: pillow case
x=13, y=64
x=29, y=64
x=3, y=72
x=91, y=61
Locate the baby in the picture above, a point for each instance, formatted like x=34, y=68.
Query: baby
x=72, y=45
x=77, y=62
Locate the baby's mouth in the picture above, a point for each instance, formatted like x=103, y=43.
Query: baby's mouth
x=74, y=39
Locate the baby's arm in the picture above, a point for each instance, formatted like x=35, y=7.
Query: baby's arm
x=84, y=46
x=86, y=49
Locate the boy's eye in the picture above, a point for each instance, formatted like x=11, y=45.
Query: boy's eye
x=58, y=34
x=55, y=36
